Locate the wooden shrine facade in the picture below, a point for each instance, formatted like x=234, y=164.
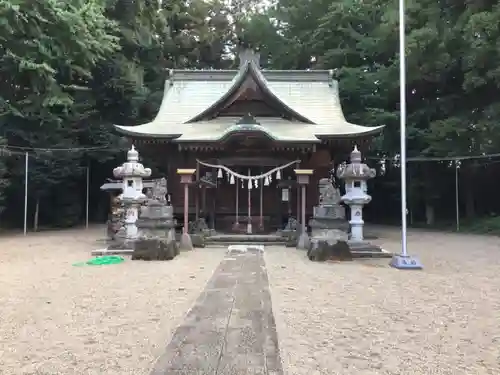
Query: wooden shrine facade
x=250, y=121
x=223, y=202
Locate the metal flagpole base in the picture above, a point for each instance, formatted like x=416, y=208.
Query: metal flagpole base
x=405, y=262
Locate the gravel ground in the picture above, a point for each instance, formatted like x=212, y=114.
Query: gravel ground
x=363, y=317
x=116, y=319
x=358, y=318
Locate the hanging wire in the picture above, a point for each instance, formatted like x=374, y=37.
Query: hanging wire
x=37, y=152
x=84, y=148
x=11, y=150
x=432, y=158
x=23, y=149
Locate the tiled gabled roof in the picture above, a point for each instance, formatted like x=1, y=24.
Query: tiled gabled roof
x=311, y=96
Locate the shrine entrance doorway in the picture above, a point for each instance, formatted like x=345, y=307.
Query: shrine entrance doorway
x=252, y=195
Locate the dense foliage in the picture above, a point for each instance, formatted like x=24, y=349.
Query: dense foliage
x=69, y=69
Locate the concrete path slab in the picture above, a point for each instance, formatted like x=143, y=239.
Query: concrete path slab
x=231, y=329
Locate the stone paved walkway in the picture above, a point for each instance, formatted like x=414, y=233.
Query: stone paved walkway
x=231, y=329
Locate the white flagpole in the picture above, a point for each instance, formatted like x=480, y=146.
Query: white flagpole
x=402, y=127
x=403, y=260
x=26, y=194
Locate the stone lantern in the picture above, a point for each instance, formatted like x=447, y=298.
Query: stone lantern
x=131, y=173
x=356, y=174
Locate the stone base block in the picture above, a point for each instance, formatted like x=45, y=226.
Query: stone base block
x=319, y=224
x=322, y=250
x=405, y=262
x=154, y=249
x=185, y=242
x=330, y=235
x=198, y=240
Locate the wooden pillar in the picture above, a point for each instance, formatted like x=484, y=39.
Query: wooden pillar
x=204, y=200
x=289, y=203
x=298, y=202
x=236, y=224
x=186, y=208
x=303, y=179
x=214, y=196
x=212, y=219
x=278, y=209
x=237, y=218
x=261, y=183
x=303, y=219
x=186, y=179
x=298, y=197
x=197, y=192
x=249, y=187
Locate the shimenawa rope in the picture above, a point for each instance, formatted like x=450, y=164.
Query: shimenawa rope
x=243, y=177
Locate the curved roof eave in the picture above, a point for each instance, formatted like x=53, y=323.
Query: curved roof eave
x=129, y=130
x=258, y=129
x=359, y=133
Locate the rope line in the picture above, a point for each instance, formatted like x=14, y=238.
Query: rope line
x=89, y=148
x=243, y=177
x=435, y=158
x=18, y=150
x=12, y=150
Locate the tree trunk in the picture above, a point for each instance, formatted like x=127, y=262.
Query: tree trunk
x=430, y=217
x=470, y=204
x=35, y=218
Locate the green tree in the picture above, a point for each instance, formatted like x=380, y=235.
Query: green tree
x=4, y=178
x=50, y=50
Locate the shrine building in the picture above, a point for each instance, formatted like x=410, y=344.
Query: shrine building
x=247, y=122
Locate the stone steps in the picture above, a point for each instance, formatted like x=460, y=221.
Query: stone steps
x=245, y=238
x=241, y=239
x=229, y=243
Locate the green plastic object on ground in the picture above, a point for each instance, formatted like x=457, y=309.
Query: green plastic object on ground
x=101, y=261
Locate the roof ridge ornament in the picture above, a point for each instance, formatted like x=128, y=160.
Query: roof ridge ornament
x=248, y=56
x=247, y=119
